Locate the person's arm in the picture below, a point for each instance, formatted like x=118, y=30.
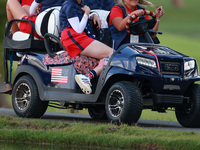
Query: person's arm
x=159, y=14
x=78, y=26
x=33, y=10
x=74, y=21
x=118, y=21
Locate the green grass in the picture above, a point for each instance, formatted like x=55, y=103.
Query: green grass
x=63, y=134
x=186, y=45
x=169, y=115
x=182, y=21
x=2, y=31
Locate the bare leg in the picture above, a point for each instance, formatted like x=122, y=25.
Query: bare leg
x=27, y=9
x=14, y=27
x=14, y=11
x=97, y=50
x=98, y=70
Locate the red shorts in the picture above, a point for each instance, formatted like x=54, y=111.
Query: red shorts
x=26, y=27
x=26, y=2
x=74, y=42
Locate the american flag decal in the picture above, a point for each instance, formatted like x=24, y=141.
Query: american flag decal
x=56, y=76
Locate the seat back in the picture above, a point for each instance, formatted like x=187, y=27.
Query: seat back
x=103, y=14
x=48, y=22
x=103, y=34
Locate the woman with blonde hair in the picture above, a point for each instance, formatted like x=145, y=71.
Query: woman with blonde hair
x=120, y=14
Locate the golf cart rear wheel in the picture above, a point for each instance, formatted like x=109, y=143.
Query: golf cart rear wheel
x=25, y=98
x=124, y=103
x=97, y=112
x=189, y=113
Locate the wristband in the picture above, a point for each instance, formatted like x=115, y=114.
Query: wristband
x=158, y=19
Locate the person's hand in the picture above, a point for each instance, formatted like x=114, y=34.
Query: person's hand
x=86, y=10
x=159, y=12
x=139, y=12
x=38, y=9
x=96, y=19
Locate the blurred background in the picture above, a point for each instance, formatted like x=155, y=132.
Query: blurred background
x=180, y=26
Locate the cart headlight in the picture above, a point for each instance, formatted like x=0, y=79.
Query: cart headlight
x=146, y=62
x=189, y=65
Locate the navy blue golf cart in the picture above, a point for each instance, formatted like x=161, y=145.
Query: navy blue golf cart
x=137, y=76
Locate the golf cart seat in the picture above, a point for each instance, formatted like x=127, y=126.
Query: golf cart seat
x=21, y=41
x=102, y=34
x=102, y=14
x=21, y=36
x=24, y=42
x=46, y=22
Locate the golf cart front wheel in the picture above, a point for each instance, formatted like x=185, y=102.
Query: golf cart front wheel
x=124, y=102
x=25, y=98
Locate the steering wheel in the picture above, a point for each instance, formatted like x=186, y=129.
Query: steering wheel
x=142, y=25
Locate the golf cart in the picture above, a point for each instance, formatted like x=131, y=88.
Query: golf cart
x=137, y=76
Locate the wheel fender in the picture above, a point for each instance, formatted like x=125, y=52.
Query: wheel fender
x=22, y=70
x=113, y=71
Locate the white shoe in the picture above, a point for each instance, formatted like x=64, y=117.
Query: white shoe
x=84, y=83
x=19, y=54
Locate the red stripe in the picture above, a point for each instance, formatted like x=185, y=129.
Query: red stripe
x=155, y=57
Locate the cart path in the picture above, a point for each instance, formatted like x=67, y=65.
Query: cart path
x=73, y=117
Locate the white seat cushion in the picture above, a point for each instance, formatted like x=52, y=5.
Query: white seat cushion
x=48, y=22
x=103, y=14
x=21, y=36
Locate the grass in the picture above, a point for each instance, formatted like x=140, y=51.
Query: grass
x=181, y=21
x=186, y=45
x=154, y=115
x=2, y=31
x=169, y=115
x=18, y=130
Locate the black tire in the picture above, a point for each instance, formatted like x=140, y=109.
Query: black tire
x=25, y=98
x=97, y=112
x=126, y=101
x=188, y=115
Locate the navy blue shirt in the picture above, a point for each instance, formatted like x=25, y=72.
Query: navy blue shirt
x=49, y=3
x=99, y=4
x=69, y=9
